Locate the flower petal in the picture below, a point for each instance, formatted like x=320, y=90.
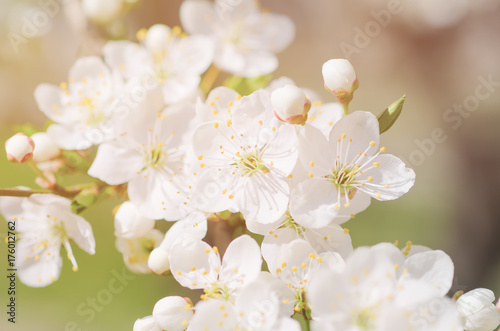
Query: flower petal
x=362, y=127
x=48, y=98
x=218, y=105
x=434, y=267
x=313, y=202
x=38, y=265
x=315, y=152
x=193, y=263
x=157, y=197
x=170, y=313
x=213, y=315
x=80, y=231
x=264, y=199
x=391, y=178
x=241, y=263
x=192, y=55
x=197, y=16
x=109, y=161
x=273, y=241
x=71, y=138
x=331, y=238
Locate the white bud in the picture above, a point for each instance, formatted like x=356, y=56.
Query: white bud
x=173, y=313
x=45, y=149
x=478, y=310
x=19, y=148
x=290, y=104
x=102, y=11
x=158, y=261
x=340, y=79
x=146, y=324
x=129, y=223
x=157, y=37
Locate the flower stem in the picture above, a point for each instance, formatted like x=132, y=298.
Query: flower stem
x=209, y=79
x=304, y=314
x=39, y=172
x=346, y=108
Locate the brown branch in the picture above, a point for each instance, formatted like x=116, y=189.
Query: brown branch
x=15, y=192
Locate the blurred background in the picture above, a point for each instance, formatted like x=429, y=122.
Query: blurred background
x=443, y=54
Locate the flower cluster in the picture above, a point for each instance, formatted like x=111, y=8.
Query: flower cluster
x=273, y=164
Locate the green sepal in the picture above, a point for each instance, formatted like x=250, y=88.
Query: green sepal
x=246, y=86
x=83, y=200
x=224, y=215
x=457, y=295
x=74, y=160
x=390, y=115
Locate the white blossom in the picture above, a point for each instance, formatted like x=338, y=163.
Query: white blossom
x=380, y=289
x=478, y=311
x=196, y=265
x=83, y=109
x=244, y=161
x=152, y=146
x=166, y=58
x=295, y=263
x=45, y=223
x=345, y=172
x=246, y=38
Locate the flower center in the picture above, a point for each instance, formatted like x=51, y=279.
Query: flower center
x=364, y=318
x=344, y=178
x=144, y=246
x=250, y=163
x=155, y=156
x=93, y=115
x=161, y=72
x=289, y=222
x=218, y=291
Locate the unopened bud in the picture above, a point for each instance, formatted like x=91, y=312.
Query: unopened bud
x=290, y=104
x=102, y=12
x=157, y=37
x=173, y=313
x=19, y=148
x=45, y=149
x=158, y=261
x=145, y=324
x=340, y=79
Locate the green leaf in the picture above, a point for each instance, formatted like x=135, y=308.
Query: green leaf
x=246, y=86
x=83, y=200
x=390, y=114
